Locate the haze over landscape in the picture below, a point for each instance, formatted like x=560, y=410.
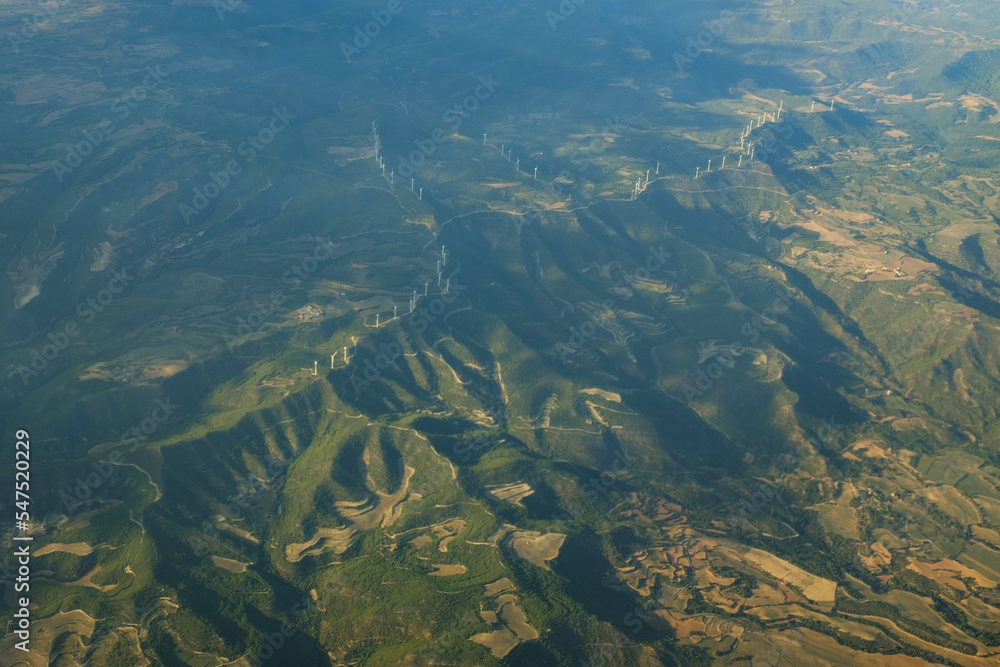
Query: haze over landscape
x=572, y=333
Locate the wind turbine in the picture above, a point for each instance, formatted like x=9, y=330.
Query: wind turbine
x=696, y=170
x=709, y=166
x=657, y=168
x=484, y=138
x=536, y=173
x=332, y=357
x=421, y=195
x=813, y=107
x=315, y=367
x=723, y=161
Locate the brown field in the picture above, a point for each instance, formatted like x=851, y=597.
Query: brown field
x=990, y=536
x=990, y=506
x=780, y=612
x=537, y=548
x=75, y=548
x=983, y=559
x=43, y=633
x=238, y=532
x=801, y=646
x=86, y=582
x=870, y=449
x=514, y=627
x=512, y=493
x=838, y=516
x=949, y=573
x=950, y=501
x=337, y=540
x=229, y=565
x=606, y=395
x=817, y=589
x=380, y=509
x=447, y=570
x=499, y=586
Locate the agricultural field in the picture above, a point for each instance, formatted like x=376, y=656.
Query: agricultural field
x=656, y=333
